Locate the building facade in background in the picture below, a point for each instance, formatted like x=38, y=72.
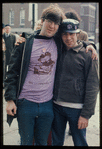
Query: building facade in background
x=20, y=15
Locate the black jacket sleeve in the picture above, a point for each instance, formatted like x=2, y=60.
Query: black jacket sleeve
x=91, y=88
x=86, y=43
x=12, y=76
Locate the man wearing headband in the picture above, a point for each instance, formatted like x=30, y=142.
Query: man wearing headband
x=76, y=87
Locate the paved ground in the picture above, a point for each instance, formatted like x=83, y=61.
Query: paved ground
x=11, y=135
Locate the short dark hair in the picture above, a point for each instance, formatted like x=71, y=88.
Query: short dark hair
x=54, y=13
x=7, y=25
x=72, y=14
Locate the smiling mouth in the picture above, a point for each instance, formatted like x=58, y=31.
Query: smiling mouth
x=68, y=42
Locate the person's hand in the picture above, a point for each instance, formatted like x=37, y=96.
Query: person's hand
x=94, y=53
x=20, y=40
x=11, y=108
x=82, y=122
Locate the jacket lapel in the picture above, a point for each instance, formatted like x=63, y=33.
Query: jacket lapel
x=26, y=61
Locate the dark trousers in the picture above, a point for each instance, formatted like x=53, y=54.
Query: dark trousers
x=34, y=121
x=61, y=116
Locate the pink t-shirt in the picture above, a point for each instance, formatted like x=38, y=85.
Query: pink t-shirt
x=38, y=86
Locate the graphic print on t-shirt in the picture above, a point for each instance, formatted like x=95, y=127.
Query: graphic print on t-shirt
x=38, y=85
x=45, y=64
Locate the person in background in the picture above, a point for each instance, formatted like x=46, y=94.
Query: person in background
x=16, y=34
x=10, y=40
x=38, y=25
x=75, y=89
x=3, y=28
x=72, y=14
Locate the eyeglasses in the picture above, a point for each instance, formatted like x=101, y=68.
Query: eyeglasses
x=50, y=22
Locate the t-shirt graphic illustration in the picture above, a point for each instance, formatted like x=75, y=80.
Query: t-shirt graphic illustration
x=45, y=64
x=38, y=85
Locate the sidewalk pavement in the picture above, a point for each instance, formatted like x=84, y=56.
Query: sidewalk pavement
x=11, y=135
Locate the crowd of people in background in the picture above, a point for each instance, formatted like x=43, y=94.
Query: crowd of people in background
x=8, y=44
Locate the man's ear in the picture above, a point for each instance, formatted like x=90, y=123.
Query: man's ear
x=77, y=34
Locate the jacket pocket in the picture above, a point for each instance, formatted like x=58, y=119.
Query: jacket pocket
x=80, y=86
x=67, y=87
x=20, y=101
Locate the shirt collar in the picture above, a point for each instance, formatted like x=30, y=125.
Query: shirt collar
x=78, y=47
x=36, y=35
x=7, y=35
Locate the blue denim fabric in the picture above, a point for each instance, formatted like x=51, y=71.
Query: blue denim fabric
x=34, y=121
x=61, y=116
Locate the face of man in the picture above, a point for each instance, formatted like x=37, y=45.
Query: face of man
x=69, y=39
x=7, y=29
x=49, y=28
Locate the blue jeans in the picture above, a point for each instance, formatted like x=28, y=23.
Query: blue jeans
x=61, y=116
x=34, y=121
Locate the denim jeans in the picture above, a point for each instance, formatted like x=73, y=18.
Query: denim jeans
x=61, y=116
x=34, y=121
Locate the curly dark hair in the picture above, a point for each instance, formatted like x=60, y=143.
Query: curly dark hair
x=72, y=14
